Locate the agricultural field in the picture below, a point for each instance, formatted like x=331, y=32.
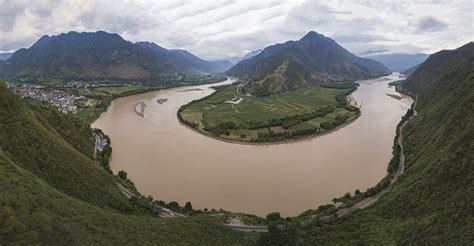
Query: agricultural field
x=230, y=115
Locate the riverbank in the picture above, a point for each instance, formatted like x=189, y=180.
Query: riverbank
x=106, y=99
x=287, y=141
x=363, y=200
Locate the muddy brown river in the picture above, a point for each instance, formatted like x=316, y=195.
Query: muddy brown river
x=172, y=162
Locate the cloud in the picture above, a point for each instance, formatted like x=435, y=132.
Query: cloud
x=429, y=24
x=222, y=28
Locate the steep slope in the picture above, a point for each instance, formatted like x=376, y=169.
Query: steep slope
x=399, y=62
x=319, y=59
x=410, y=70
x=32, y=212
x=432, y=202
x=86, y=55
x=184, y=61
x=52, y=193
x=56, y=148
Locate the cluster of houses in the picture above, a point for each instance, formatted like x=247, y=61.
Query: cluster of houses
x=62, y=100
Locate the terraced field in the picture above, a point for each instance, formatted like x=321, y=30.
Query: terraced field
x=230, y=115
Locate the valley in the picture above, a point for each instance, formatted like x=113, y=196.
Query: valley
x=226, y=175
x=267, y=123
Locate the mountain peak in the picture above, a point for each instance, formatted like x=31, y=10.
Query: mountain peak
x=313, y=59
x=313, y=35
x=43, y=40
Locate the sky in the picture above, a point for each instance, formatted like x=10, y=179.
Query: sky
x=230, y=28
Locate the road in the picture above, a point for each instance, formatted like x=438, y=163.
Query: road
x=167, y=213
x=371, y=200
x=247, y=228
x=164, y=212
x=97, y=141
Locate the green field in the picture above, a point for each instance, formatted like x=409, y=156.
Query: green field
x=231, y=115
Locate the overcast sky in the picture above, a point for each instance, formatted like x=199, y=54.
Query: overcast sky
x=218, y=29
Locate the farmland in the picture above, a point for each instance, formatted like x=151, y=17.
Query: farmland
x=230, y=115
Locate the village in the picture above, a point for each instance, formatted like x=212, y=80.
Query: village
x=62, y=100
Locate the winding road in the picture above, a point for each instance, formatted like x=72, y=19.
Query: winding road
x=167, y=213
x=371, y=200
x=164, y=212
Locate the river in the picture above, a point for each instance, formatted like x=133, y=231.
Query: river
x=174, y=163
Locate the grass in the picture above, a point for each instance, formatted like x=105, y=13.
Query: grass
x=251, y=111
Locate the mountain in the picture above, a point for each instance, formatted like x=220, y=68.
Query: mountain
x=185, y=62
x=234, y=60
x=52, y=192
x=87, y=55
x=5, y=56
x=410, y=70
x=399, y=62
x=295, y=64
x=251, y=54
x=432, y=202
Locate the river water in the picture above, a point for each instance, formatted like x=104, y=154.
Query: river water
x=172, y=162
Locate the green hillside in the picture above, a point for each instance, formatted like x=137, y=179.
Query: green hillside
x=52, y=192
x=432, y=204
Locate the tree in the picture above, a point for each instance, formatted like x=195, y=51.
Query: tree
x=347, y=195
x=357, y=192
x=173, y=205
x=122, y=174
x=273, y=216
x=188, y=206
x=288, y=235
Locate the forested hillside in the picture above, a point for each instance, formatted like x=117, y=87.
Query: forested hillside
x=86, y=55
x=53, y=192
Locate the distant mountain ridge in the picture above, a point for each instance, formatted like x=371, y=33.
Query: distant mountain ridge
x=104, y=55
x=295, y=64
x=86, y=55
x=236, y=59
x=184, y=61
x=399, y=62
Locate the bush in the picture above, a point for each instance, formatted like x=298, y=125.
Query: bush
x=274, y=216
